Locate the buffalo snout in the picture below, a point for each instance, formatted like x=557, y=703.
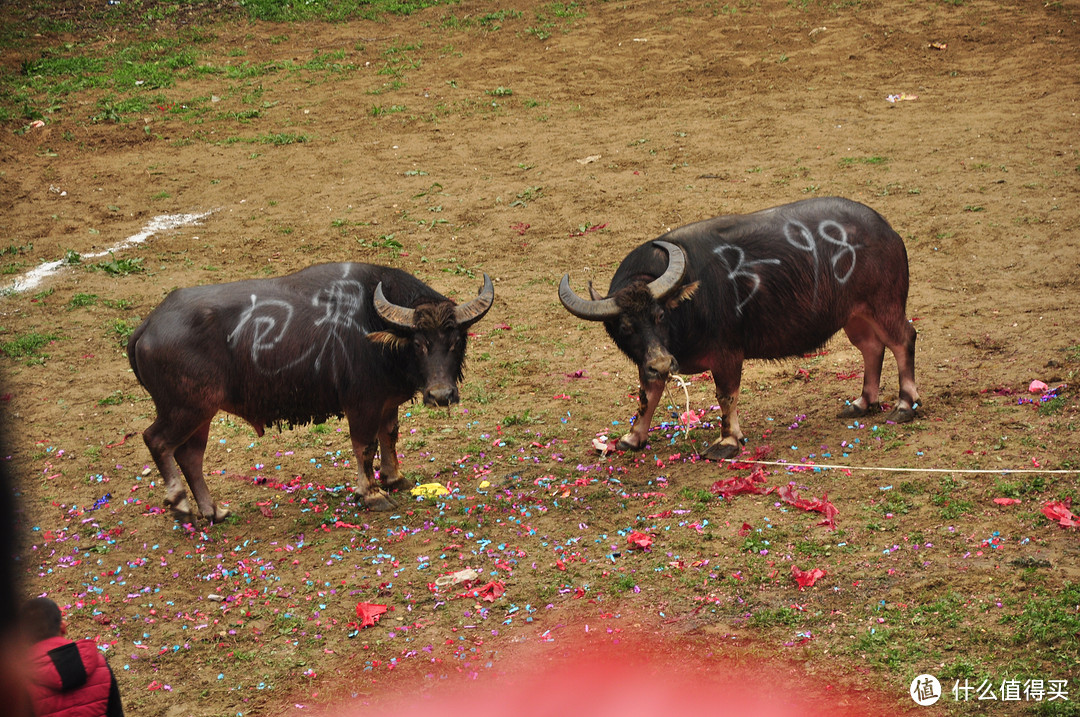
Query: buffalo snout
x=441, y=396
x=659, y=365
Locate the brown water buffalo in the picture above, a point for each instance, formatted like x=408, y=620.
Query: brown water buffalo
x=772, y=284
x=353, y=340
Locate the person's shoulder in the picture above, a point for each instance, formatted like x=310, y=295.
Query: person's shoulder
x=91, y=655
x=42, y=647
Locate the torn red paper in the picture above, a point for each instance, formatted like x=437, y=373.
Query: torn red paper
x=806, y=578
x=1006, y=501
x=745, y=530
x=487, y=592
x=760, y=453
x=1059, y=512
x=369, y=613
x=820, y=505
x=729, y=487
x=639, y=540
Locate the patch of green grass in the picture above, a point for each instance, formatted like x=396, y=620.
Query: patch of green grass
x=384, y=241
x=79, y=300
x=874, y=160
x=121, y=330
x=1050, y=619
x=122, y=266
x=379, y=110
x=772, y=617
x=282, y=138
x=113, y=399
x=950, y=506
x=333, y=10
x=29, y=346
x=1052, y=407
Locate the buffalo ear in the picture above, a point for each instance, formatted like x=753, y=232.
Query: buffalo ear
x=684, y=294
x=388, y=339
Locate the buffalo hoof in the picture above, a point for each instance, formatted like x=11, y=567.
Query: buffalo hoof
x=181, y=510
x=378, y=501
x=901, y=414
x=220, y=514
x=399, y=483
x=719, y=451
x=627, y=443
x=853, y=410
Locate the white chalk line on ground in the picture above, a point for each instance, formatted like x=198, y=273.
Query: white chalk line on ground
x=165, y=222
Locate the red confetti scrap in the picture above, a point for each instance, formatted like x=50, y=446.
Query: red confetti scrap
x=846, y=376
x=806, y=578
x=760, y=454
x=1006, y=501
x=729, y=487
x=593, y=228
x=520, y=228
x=745, y=530
x=639, y=540
x=120, y=442
x=487, y=592
x=821, y=505
x=1059, y=511
x=369, y=613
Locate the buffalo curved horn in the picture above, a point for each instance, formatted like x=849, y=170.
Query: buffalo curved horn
x=401, y=316
x=470, y=313
x=595, y=310
x=663, y=285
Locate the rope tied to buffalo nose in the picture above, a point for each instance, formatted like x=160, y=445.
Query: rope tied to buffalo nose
x=687, y=418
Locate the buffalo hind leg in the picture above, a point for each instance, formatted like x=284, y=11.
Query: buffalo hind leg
x=162, y=440
x=904, y=351
x=648, y=398
x=867, y=337
x=189, y=456
x=389, y=472
x=864, y=337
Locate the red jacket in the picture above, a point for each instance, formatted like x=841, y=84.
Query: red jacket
x=70, y=679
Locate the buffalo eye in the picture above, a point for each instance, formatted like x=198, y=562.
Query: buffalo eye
x=626, y=326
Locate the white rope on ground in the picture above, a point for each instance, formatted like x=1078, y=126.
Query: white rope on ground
x=998, y=471
x=824, y=466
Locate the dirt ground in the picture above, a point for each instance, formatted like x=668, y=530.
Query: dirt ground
x=467, y=139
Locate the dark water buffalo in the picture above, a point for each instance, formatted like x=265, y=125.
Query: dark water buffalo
x=356, y=340
x=768, y=285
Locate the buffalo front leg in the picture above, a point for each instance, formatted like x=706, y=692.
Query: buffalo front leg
x=648, y=398
x=727, y=378
x=389, y=470
x=363, y=444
